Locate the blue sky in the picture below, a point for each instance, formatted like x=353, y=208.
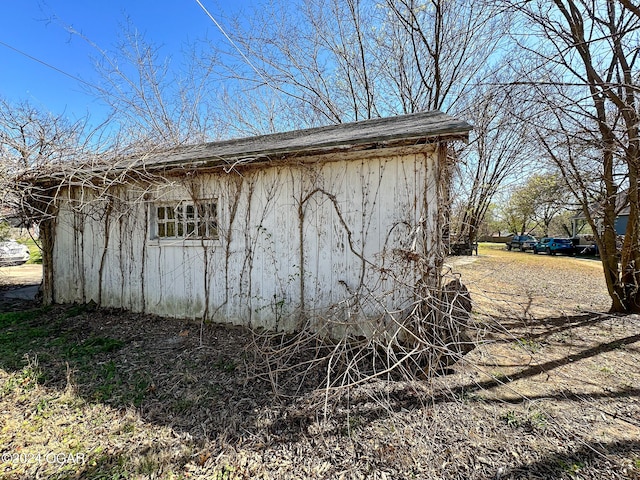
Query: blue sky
x=38, y=29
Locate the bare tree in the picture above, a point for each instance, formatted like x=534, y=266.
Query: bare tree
x=152, y=104
x=450, y=45
x=31, y=138
x=500, y=147
x=331, y=61
x=585, y=74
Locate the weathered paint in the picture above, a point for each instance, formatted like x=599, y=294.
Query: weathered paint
x=298, y=241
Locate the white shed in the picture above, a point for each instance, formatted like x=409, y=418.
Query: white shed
x=335, y=226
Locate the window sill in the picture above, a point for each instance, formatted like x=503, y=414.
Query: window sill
x=182, y=242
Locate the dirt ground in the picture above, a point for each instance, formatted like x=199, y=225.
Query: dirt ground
x=531, y=285
x=552, y=346
x=552, y=391
x=27, y=274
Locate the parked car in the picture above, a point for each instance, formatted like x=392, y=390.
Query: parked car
x=13, y=253
x=553, y=245
x=522, y=243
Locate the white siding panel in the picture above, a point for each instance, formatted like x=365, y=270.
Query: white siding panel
x=253, y=273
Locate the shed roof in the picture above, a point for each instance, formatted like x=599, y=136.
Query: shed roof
x=391, y=131
x=397, y=131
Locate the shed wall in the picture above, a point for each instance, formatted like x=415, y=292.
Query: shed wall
x=298, y=242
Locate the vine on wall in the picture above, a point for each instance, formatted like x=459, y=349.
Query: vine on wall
x=394, y=314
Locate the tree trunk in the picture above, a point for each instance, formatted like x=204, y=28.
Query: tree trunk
x=47, y=240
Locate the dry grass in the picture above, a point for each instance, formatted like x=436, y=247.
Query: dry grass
x=528, y=285
x=551, y=392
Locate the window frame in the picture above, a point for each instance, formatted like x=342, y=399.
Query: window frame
x=179, y=222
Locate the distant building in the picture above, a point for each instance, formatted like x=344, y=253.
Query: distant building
x=579, y=221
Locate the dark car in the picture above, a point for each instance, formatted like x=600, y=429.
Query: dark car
x=553, y=245
x=522, y=243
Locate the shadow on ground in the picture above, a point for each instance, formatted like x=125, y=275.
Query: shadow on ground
x=200, y=380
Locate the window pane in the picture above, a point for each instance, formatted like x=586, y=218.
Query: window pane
x=184, y=219
x=213, y=211
x=213, y=229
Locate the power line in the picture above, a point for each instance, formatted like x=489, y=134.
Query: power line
x=246, y=59
x=48, y=65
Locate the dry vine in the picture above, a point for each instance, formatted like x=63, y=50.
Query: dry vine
x=372, y=333
x=415, y=344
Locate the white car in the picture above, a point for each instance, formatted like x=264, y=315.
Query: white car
x=13, y=253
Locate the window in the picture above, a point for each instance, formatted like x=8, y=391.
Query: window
x=187, y=220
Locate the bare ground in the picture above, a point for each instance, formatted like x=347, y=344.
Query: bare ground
x=20, y=275
x=552, y=391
